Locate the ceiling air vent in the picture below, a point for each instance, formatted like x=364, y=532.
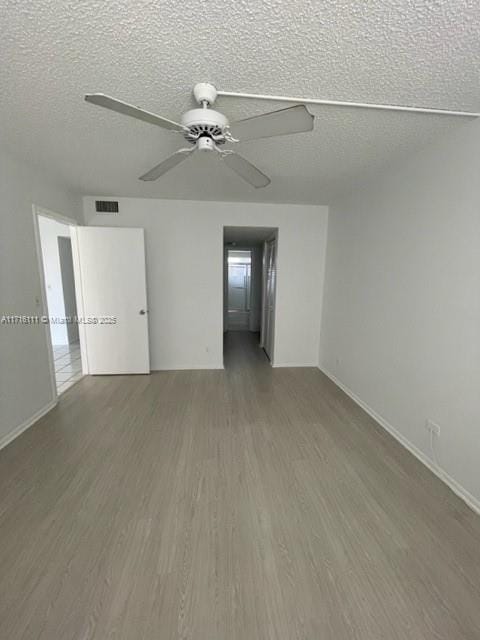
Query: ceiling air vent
x=106, y=206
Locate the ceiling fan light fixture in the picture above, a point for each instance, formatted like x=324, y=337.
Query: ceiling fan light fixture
x=205, y=144
x=206, y=129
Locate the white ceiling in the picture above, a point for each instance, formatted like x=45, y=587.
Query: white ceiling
x=414, y=52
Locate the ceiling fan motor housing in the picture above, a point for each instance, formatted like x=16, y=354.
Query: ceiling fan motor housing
x=205, y=123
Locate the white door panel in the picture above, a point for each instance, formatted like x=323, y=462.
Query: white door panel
x=112, y=270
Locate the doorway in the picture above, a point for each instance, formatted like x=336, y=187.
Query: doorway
x=54, y=236
x=239, y=264
x=249, y=288
x=100, y=270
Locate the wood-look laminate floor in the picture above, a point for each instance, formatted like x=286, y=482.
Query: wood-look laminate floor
x=251, y=503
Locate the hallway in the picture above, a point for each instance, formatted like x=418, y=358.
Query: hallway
x=241, y=349
x=250, y=503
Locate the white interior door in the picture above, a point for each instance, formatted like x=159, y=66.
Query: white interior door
x=111, y=265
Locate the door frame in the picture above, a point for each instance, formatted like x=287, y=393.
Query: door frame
x=71, y=222
x=273, y=234
x=273, y=239
x=248, y=294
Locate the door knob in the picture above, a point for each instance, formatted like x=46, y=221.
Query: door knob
x=143, y=312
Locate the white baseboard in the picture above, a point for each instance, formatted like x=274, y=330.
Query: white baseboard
x=457, y=488
x=26, y=424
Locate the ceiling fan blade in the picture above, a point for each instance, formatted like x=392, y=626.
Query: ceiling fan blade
x=166, y=165
x=246, y=170
x=277, y=123
x=126, y=109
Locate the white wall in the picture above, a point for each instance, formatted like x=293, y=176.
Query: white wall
x=50, y=230
x=401, y=320
x=25, y=387
x=184, y=245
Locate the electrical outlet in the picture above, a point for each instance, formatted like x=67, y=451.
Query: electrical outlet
x=433, y=427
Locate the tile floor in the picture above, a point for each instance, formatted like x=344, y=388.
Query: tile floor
x=68, y=365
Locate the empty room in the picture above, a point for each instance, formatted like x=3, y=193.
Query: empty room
x=240, y=320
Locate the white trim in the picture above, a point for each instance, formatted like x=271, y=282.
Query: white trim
x=457, y=488
x=273, y=241
x=58, y=217
x=46, y=213
x=263, y=303
x=26, y=424
x=79, y=297
x=36, y=211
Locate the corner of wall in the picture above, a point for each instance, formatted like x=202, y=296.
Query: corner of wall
x=323, y=282
x=457, y=488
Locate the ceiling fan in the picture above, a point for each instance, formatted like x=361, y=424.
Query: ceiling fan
x=208, y=130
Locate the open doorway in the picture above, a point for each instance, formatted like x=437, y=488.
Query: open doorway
x=239, y=298
x=249, y=289
x=108, y=333
x=60, y=298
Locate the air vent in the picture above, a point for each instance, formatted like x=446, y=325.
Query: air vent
x=106, y=206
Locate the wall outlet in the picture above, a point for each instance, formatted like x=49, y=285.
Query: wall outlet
x=433, y=427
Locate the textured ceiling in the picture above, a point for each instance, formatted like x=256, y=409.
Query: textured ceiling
x=414, y=52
